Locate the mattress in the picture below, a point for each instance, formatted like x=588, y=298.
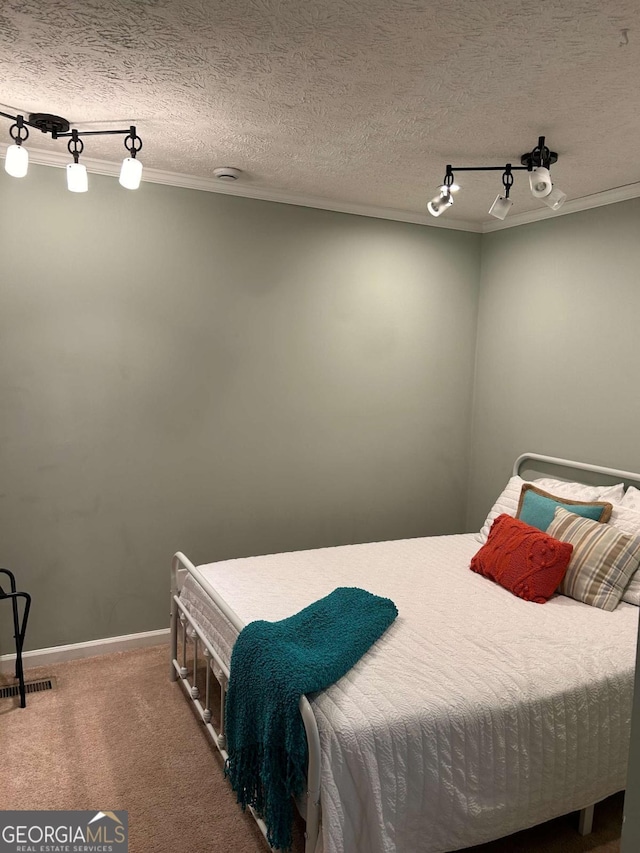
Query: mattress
x=476, y=715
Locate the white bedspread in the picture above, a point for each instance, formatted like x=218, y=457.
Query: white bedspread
x=477, y=714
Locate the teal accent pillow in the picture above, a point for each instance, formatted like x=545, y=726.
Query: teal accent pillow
x=537, y=507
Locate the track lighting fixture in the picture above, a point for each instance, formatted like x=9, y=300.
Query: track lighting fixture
x=502, y=205
x=440, y=203
x=77, y=180
x=444, y=198
x=536, y=162
x=17, y=159
x=131, y=171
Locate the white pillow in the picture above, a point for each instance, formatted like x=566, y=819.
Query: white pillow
x=508, y=500
x=625, y=519
x=628, y=521
x=631, y=498
x=506, y=503
x=581, y=491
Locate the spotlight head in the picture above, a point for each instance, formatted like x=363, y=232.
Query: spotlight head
x=16, y=161
x=540, y=182
x=500, y=207
x=555, y=199
x=77, y=180
x=130, y=173
x=440, y=203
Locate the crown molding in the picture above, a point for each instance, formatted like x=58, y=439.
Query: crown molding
x=574, y=205
x=214, y=185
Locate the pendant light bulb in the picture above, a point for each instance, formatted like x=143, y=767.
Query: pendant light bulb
x=131, y=173
x=77, y=180
x=16, y=161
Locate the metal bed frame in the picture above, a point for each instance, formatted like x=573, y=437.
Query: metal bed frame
x=180, y=617
x=180, y=566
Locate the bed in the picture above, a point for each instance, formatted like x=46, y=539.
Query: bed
x=476, y=715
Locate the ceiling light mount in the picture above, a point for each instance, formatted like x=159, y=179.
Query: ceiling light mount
x=47, y=123
x=17, y=157
x=132, y=142
x=507, y=180
x=75, y=146
x=19, y=132
x=540, y=156
x=536, y=162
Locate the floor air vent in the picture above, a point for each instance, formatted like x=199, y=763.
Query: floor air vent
x=29, y=687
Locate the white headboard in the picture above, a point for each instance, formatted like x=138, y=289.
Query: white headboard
x=531, y=465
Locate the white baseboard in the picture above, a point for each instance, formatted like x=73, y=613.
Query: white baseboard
x=74, y=651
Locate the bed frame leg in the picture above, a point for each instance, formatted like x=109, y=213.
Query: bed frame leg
x=195, y=693
x=173, y=627
x=206, y=714
x=183, y=669
x=223, y=698
x=585, y=820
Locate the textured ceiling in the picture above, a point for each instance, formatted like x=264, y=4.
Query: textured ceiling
x=359, y=102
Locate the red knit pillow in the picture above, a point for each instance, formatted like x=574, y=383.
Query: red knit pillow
x=523, y=559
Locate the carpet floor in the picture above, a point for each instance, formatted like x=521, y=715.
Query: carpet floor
x=115, y=733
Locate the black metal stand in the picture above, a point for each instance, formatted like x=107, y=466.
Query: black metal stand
x=19, y=626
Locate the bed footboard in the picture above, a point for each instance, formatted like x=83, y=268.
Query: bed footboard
x=182, y=621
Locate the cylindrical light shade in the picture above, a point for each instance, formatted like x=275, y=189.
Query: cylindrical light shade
x=440, y=203
x=500, y=207
x=540, y=182
x=77, y=180
x=555, y=199
x=16, y=161
x=131, y=173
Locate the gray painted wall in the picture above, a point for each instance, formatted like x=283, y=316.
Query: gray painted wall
x=558, y=359
x=185, y=370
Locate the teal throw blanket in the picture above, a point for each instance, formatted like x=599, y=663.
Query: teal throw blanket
x=272, y=665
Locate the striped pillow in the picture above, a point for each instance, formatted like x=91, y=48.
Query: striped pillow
x=603, y=559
